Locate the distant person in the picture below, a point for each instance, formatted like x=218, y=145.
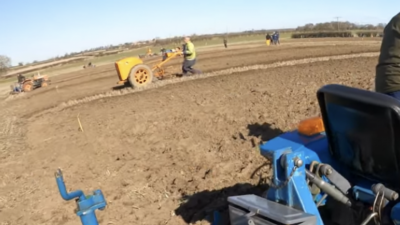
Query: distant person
x=18, y=86
x=387, y=78
x=274, y=38
x=189, y=54
x=277, y=38
x=21, y=78
x=164, y=54
x=268, y=39
x=225, y=43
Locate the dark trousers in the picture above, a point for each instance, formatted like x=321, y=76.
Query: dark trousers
x=187, y=67
x=395, y=95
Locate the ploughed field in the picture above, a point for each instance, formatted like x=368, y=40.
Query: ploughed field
x=173, y=152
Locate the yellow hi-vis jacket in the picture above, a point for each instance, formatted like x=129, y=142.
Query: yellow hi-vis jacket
x=190, y=52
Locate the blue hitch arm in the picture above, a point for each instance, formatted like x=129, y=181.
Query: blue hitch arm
x=87, y=205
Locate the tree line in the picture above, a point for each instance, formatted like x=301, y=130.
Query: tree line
x=338, y=26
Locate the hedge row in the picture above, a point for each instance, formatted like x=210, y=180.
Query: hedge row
x=369, y=34
x=334, y=34
x=322, y=34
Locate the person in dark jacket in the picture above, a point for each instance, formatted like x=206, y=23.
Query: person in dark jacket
x=18, y=86
x=225, y=43
x=277, y=38
x=274, y=38
x=387, y=78
x=20, y=78
x=163, y=54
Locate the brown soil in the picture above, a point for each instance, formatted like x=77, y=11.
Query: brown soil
x=166, y=155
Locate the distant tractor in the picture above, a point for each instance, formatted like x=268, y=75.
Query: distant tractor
x=27, y=85
x=89, y=65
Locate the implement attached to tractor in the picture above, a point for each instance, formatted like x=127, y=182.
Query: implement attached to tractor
x=342, y=168
x=132, y=72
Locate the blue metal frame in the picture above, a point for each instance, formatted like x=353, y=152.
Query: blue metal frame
x=395, y=214
x=284, y=150
x=87, y=205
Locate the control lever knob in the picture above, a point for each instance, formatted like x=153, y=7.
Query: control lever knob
x=387, y=193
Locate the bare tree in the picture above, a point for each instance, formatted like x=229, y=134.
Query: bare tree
x=5, y=63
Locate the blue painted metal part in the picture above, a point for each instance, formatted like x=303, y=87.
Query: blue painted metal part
x=216, y=218
x=282, y=151
x=395, y=214
x=87, y=205
x=363, y=194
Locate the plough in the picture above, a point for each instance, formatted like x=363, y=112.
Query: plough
x=341, y=168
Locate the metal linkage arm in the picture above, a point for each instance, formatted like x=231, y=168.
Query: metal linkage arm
x=87, y=205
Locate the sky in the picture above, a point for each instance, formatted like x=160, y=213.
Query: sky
x=40, y=29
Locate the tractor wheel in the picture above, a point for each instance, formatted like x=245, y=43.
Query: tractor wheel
x=44, y=84
x=27, y=87
x=140, y=76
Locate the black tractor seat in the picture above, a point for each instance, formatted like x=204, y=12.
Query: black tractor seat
x=363, y=131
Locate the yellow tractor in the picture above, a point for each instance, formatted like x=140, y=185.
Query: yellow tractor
x=132, y=72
